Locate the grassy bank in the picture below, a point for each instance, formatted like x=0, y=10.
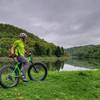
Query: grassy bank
x=58, y=86
x=51, y=59
x=44, y=58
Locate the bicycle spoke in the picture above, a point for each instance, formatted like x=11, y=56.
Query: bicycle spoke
x=8, y=77
x=37, y=72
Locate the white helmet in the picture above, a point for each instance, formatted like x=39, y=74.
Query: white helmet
x=23, y=35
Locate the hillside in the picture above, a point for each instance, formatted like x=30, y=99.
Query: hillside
x=88, y=51
x=39, y=47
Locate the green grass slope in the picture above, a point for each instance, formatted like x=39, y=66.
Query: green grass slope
x=58, y=86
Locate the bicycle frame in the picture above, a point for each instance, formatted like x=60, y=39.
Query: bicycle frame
x=18, y=66
x=10, y=74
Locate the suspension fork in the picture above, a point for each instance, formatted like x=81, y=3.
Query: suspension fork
x=34, y=67
x=17, y=68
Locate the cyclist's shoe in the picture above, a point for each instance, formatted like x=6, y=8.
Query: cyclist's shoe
x=24, y=79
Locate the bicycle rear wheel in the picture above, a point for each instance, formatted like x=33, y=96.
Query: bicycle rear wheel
x=37, y=72
x=8, y=77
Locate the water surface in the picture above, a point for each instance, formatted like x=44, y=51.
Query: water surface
x=74, y=65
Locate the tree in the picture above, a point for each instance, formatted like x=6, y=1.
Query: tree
x=48, y=52
x=58, y=51
x=62, y=51
x=37, y=48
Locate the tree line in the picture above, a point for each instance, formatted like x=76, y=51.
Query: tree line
x=39, y=47
x=89, y=51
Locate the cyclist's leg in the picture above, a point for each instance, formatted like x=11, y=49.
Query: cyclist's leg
x=23, y=60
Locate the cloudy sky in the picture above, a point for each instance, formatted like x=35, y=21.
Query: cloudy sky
x=66, y=23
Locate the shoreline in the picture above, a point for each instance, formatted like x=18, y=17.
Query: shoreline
x=45, y=58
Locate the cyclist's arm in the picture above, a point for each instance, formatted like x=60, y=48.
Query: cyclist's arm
x=13, y=50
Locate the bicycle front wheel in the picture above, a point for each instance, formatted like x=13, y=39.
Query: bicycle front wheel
x=37, y=72
x=8, y=77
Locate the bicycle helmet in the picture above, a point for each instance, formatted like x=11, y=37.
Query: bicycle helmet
x=23, y=35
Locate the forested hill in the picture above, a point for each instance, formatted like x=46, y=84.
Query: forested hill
x=39, y=47
x=88, y=51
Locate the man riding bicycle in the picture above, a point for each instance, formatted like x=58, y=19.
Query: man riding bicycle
x=18, y=49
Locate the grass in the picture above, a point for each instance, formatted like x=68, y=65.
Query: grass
x=50, y=59
x=81, y=85
x=39, y=58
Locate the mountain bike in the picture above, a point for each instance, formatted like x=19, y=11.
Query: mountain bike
x=11, y=73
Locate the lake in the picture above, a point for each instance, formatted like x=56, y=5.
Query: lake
x=74, y=65
x=70, y=64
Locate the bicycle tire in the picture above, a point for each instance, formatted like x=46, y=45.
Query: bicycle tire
x=33, y=66
x=4, y=84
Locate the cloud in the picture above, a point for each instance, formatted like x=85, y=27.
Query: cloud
x=67, y=23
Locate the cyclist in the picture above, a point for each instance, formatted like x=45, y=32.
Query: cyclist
x=18, y=49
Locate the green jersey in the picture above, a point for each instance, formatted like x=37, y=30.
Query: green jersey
x=19, y=48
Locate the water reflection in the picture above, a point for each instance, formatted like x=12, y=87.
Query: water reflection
x=68, y=67
x=55, y=65
x=74, y=64
x=88, y=62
